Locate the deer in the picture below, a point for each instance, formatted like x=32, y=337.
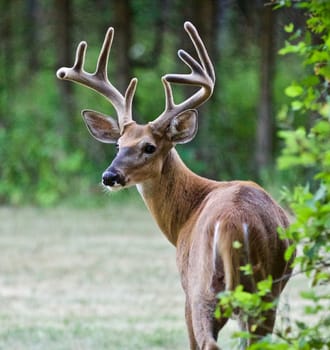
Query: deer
x=202, y=218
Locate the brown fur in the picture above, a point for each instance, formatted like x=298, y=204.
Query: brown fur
x=187, y=208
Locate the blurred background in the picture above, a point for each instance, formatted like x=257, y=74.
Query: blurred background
x=46, y=154
x=79, y=270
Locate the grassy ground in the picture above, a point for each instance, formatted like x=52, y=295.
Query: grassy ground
x=89, y=279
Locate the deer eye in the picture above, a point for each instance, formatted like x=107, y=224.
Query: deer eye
x=149, y=149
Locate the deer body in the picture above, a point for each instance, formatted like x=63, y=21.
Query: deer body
x=201, y=217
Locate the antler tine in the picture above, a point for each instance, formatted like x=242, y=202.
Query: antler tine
x=99, y=82
x=202, y=74
x=129, y=95
x=169, y=101
x=102, y=61
x=196, y=71
x=80, y=56
x=66, y=73
x=201, y=49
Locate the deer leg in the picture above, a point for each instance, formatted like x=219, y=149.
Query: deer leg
x=205, y=326
x=192, y=339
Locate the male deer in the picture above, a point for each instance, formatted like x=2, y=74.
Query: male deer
x=201, y=217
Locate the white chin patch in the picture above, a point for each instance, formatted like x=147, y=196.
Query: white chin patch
x=117, y=186
x=114, y=188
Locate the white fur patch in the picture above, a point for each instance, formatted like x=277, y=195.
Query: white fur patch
x=245, y=230
x=215, y=243
x=246, y=239
x=140, y=189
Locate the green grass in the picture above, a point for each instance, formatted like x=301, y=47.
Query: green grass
x=89, y=279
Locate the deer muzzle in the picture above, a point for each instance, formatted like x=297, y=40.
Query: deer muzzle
x=112, y=178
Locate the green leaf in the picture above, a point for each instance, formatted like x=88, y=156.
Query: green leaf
x=310, y=294
x=300, y=48
x=320, y=194
x=237, y=244
x=296, y=105
x=289, y=252
x=322, y=127
x=265, y=286
x=289, y=27
x=294, y=90
x=247, y=269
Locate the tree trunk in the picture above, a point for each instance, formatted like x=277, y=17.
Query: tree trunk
x=7, y=83
x=65, y=56
x=31, y=32
x=205, y=16
x=265, y=119
x=122, y=43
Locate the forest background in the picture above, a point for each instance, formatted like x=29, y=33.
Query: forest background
x=46, y=154
x=271, y=98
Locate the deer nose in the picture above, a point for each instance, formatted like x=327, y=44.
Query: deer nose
x=111, y=178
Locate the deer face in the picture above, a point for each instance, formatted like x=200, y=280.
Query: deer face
x=142, y=149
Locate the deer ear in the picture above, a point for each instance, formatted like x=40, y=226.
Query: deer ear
x=101, y=127
x=183, y=127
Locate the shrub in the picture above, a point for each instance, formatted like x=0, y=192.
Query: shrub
x=307, y=149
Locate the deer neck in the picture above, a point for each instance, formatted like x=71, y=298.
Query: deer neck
x=174, y=195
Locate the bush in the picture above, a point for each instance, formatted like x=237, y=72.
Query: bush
x=307, y=150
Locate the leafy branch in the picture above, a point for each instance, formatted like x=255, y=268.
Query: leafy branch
x=307, y=149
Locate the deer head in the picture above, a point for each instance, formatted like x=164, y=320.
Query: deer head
x=142, y=149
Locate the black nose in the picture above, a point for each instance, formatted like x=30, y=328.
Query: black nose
x=111, y=178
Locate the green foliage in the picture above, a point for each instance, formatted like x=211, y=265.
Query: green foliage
x=234, y=115
x=307, y=149
x=252, y=303
x=310, y=148
x=46, y=154
x=33, y=151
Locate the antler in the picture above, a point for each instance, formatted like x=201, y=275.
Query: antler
x=99, y=81
x=202, y=74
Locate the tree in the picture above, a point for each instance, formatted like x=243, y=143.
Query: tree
x=123, y=23
x=32, y=25
x=205, y=16
x=265, y=118
x=64, y=50
x=6, y=57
